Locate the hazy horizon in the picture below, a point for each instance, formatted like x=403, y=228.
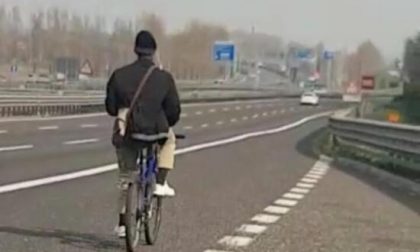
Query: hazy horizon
x=339, y=24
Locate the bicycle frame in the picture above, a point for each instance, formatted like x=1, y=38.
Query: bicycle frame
x=148, y=169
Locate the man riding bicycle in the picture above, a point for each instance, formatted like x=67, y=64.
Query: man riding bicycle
x=147, y=118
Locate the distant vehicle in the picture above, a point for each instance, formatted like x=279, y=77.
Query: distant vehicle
x=309, y=98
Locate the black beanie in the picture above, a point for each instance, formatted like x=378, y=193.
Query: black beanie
x=145, y=43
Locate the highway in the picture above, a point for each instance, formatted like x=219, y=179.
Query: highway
x=245, y=180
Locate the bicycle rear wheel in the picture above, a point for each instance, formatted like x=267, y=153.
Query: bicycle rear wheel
x=153, y=216
x=132, y=218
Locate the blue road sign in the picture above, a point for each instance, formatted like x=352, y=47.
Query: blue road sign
x=224, y=51
x=328, y=55
x=303, y=54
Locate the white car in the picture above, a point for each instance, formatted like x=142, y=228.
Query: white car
x=309, y=98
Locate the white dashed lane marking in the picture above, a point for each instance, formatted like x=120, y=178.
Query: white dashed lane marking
x=251, y=229
x=293, y=196
x=272, y=213
x=3, y=131
x=220, y=123
x=309, y=180
x=237, y=108
x=225, y=109
x=52, y=127
x=235, y=241
x=255, y=116
x=305, y=185
x=88, y=126
x=82, y=141
x=265, y=218
x=212, y=110
x=245, y=118
x=199, y=112
x=233, y=120
x=313, y=176
x=286, y=202
x=16, y=148
x=204, y=125
x=188, y=127
x=184, y=115
x=277, y=210
x=300, y=190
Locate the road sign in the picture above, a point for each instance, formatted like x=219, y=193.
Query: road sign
x=394, y=117
x=303, y=54
x=352, y=88
x=328, y=55
x=224, y=51
x=86, y=68
x=368, y=82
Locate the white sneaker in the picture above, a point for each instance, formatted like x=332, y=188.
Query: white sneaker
x=164, y=190
x=120, y=231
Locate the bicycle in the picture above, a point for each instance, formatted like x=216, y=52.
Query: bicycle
x=143, y=210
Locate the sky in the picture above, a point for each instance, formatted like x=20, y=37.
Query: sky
x=340, y=24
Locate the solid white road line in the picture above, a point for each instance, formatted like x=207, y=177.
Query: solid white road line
x=56, y=179
x=251, y=229
x=277, y=210
x=16, y=148
x=104, y=169
x=286, y=202
x=265, y=218
x=88, y=126
x=81, y=141
x=235, y=241
x=52, y=127
x=293, y=196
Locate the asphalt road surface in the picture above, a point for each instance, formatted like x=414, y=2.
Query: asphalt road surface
x=256, y=192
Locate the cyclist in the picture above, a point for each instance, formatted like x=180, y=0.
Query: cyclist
x=155, y=112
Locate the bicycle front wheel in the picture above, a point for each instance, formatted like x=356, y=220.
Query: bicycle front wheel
x=132, y=218
x=153, y=217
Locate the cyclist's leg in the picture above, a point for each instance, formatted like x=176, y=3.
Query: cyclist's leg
x=166, y=158
x=127, y=158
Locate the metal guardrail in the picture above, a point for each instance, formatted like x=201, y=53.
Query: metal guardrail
x=382, y=135
x=395, y=147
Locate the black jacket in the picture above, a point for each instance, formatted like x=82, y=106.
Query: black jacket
x=157, y=108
